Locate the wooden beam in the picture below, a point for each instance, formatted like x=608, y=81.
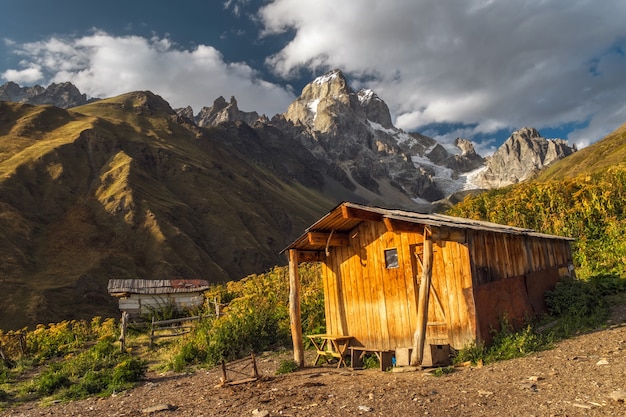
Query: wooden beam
x=310, y=256
x=394, y=225
x=419, y=338
x=328, y=239
x=294, y=309
x=450, y=235
x=355, y=213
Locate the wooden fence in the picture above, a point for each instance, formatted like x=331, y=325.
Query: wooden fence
x=171, y=328
x=12, y=344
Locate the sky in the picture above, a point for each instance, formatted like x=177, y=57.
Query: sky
x=477, y=69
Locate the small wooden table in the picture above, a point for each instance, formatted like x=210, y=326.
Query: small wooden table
x=334, y=346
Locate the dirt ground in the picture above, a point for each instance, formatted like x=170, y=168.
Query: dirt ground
x=582, y=376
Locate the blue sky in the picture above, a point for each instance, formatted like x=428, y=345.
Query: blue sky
x=477, y=69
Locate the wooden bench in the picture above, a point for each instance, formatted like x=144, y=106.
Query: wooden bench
x=385, y=357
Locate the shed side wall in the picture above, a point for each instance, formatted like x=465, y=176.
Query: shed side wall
x=511, y=274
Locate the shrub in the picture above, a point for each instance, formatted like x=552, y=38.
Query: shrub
x=441, y=371
x=473, y=353
x=508, y=344
x=127, y=372
x=5, y=373
x=286, y=366
x=579, y=305
x=50, y=381
x=370, y=361
x=93, y=382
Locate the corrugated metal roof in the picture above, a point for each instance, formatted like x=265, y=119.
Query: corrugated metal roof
x=334, y=221
x=156, y=286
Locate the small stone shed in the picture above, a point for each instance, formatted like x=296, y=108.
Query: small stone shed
x=397, y=280
x=141, y=297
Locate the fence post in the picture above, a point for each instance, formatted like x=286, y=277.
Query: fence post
x=152, y=332
x=123, y=325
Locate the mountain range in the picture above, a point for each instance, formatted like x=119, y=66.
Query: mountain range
x=127, y=187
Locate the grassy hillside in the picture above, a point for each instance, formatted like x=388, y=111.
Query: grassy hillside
x=609, y=152
x=582, y=196
x=124, y=188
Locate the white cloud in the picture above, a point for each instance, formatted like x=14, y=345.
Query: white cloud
x=491, y=64
x=102, y=65
x=25, y=76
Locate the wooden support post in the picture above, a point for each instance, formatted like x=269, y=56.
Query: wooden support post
x=152, y=333
x=419, y=337
x=294, y=309
x=218, y=311
x=224, y=376
x=123, y=325
x=255, y=370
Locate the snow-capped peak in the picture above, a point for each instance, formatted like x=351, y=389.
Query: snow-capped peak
x=328, y=77
x=365, y=95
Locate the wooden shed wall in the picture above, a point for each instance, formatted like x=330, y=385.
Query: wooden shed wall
x=138, y=305
x=378, y=306
x=511, y=274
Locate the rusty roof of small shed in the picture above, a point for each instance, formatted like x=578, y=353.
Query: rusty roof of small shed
x=335, y=221
x=156, y=286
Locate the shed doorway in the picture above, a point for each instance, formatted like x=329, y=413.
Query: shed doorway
x=437, y=323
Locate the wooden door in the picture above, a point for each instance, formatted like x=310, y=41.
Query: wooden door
x=437, y=324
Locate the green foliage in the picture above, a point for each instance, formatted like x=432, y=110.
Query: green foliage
x=77, y=359
x=50, y=381
x=441, y=371
x=165, y=310
x=506, y=344
x=256, y=318
x=580, y=305
x=370, y=361
x=589, y=208
x=573, y=306
x=473, y=353
x=286, y=367
x=5, y=373
x=99, y=369
x=509, y=344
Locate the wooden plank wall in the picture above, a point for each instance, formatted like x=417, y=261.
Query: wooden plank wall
x=138, y=305
x=498, y=256
x=378, y=306
x=511, y=274
x=456, y=283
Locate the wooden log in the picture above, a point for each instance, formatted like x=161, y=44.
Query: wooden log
x=123, y=325
x=422, y=304
x=294, y=309
x=152, y=333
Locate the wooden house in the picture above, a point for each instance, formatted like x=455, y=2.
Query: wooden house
x=395, y=281
x=141, y=297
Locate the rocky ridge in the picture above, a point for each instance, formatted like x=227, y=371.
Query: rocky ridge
x=352, y=133
x=64, y=95
x=520, y=157
x=352, y=136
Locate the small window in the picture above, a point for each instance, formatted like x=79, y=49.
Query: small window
x=391, y=258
